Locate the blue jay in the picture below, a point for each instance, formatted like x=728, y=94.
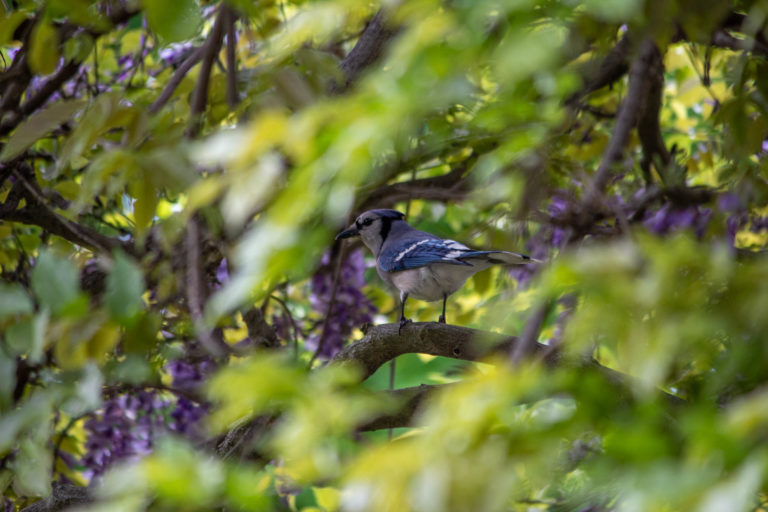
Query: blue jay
x=420, y=264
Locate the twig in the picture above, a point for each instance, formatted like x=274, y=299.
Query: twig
x=331, y=302
x=60, y=439
x=45, y=217
x=64, y=73
x=176, y=79
x=528, y=339
x=295, y=327
x=96, y=68
x=200, y=95
x=232, y=96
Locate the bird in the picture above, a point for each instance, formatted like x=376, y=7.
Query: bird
x=419, y=264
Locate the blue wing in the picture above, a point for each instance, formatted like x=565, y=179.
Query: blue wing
x=419, y=253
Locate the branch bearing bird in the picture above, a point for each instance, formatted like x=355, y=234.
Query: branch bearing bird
x=420, y=264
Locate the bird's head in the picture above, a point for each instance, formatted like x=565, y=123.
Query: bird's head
x=372, y=227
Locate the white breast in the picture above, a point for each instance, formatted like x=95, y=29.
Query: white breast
x=432, y=282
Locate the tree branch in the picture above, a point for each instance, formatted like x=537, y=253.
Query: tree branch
x=368, y=50
x=176, y=79
x=411, y=400
x=50, y=86
x=39, y=213
x=608, y=71
x=62, y=496
x=648, y=126
x=448, y=187
x=210, y=49
x=382, y=343
x=232, y=96
x=628, y=115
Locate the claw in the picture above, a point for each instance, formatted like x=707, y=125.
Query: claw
x=441, y=319
x=403, y=321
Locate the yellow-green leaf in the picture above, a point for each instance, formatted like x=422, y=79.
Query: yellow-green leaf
x=38, y=125
x=44, y=52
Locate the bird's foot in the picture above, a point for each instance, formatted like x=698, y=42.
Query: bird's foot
x=403, y=321
x=441, y=319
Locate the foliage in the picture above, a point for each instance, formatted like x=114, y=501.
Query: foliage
x=172, y=174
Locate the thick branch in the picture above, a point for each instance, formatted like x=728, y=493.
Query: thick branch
x=368, y=50
x=411, y=400
x=62, y=496
x=382, y=343
x=609, y=70
x=447, y=187
x=628, y=115
x=648, y=126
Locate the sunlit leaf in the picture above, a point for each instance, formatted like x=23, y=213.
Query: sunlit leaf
x=55, y=282
x=173, y=20
x=39, y=125
x=125, y=285
x=43, y=55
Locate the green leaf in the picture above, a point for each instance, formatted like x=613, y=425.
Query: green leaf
x=32, y=465
x=306, y=498
x=173, y=20
x=44, y=52
x=141, y=336
x=9, y=23
x=28, y=337
x=39, y=125
x=143, y=190
x=86, y=394
x=125, y=285
x=7, y=380
x=55, y=282
x=13, y=300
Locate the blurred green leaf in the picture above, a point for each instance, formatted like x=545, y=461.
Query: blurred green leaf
x=9, y=22
x=28, y=337
x=39, y=125
x=7, y=380
x=125, y=286
x=14, y=300
x=173, y=20
x=32, y=466
x=44, y=53
x=55, y=281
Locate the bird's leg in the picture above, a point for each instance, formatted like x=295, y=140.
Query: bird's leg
x=403, y=320
x=442, y=317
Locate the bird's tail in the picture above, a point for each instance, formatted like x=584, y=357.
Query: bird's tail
x=501, y=257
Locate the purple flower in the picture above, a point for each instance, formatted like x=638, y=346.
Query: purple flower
x=729, y=202
x=350, y=308
x=125, y=428
x=222, y=273
x=669, y=218
x=187, y=376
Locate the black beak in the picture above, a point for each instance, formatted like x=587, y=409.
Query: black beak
x=348, y=233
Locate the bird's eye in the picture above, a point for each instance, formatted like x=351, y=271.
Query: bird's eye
x=367, y=222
